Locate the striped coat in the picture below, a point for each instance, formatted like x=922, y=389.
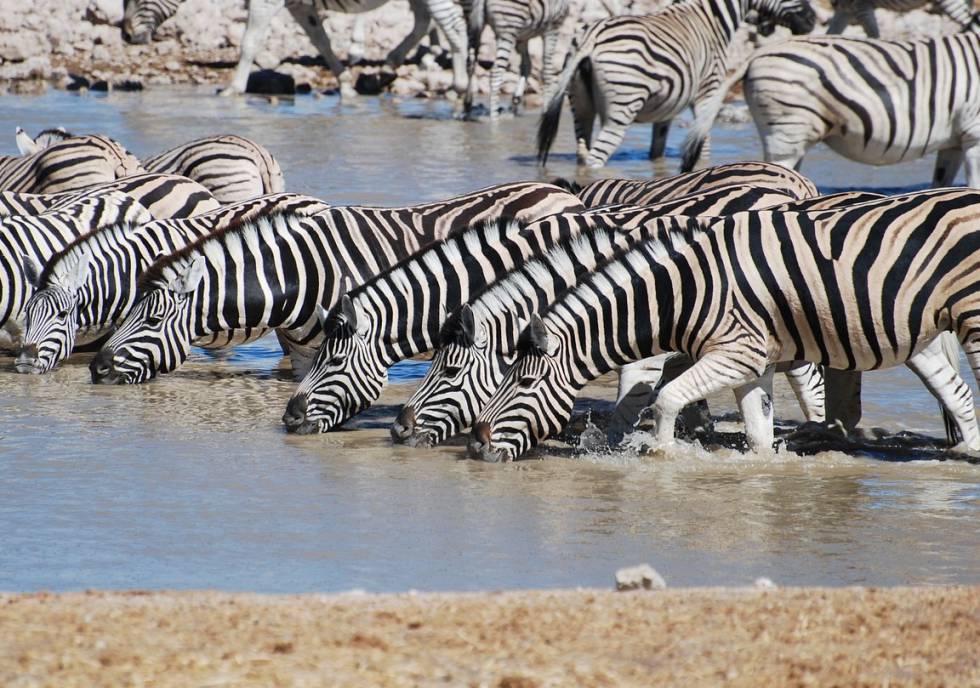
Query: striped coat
x=67, y=166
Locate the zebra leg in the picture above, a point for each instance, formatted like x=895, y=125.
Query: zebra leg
x=420, y=26
x=806, y=381
x=310, y=20
x=658, y=140
x=839, y=21
x=448, y=15
x=355, y=53
x=518, y=98
x=933, y=367
x=755, y=402
x=972, y=155
x=866, y=18
x=548, y=75
x=842, y=397
x=505, y=46
x=583, y=116
x=635, y=393
x=948, y=163
x=260, y=14
x=613, y=130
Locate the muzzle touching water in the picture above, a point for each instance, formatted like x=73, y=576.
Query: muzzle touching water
x=103, y=369
x=27, y=360
x=295, y=416
x=404, y=426
x=481, y=448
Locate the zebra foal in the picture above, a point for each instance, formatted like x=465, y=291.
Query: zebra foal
x=872, y=101
x=743, y=293
x=649, y=69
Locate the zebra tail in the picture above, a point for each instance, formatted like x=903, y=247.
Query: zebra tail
x=951, y=349
x=551, y=117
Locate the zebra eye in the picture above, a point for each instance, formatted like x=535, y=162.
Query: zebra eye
x=336, y=361
x=527, y=381
x=452, y=371
x=154, y=320
x=62, y=315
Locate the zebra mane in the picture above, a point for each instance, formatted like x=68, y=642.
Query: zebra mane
x=452, y=249
x=59, y=133
x=157, y=274
x=55, y=265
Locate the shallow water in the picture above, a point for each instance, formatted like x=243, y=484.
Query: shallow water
x=190, y=482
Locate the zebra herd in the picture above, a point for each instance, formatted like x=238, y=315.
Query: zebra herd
x=523, y=292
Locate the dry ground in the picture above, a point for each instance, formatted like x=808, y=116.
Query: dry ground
x=785, y=637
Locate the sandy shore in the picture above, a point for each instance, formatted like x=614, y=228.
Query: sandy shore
x=747, y=637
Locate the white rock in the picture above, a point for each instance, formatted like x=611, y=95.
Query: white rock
x=105, y=11
x=642, y=577
x=764, y=583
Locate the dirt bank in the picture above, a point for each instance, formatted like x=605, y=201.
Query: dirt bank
x=78, y=44
x=786, y=637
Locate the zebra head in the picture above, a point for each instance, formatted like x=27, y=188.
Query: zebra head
x=143, y=17
x=52, y=316
x=464, y=374
x=796, y=15
x=156, y=336
x=48, y=137
x=534, y=401
x=347, y=374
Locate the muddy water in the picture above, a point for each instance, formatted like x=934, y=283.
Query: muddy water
x=190, y=482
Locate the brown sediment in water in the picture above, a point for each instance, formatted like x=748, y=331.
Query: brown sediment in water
x=739, y=637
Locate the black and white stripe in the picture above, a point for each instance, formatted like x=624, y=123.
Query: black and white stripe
x=28, y=242
x=90, y=286
x=872, y=101
x=272, y=271
x=69, y=165
x=649, y=69
x=860, y=288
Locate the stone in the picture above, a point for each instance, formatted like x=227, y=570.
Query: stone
x=373, y=84
x=268, y=82
x=764, y=583
x=642, y=577
x=104, y=12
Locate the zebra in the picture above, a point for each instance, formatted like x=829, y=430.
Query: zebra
x=651, y=68
x=859, y=288
x=463, y=375
x=27, y=242
x=142, y=17
x=872, y=101
x=234, y=168
x=90, y=285
x=270, y=273
x=514, y=22
x=863, y=11
x=638, y=192
x=67, y=166
x=477, y=341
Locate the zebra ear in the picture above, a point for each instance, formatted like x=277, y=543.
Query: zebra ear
x=540, y=337
x=467, y=323
x=349, y=311
x=31, y=270
x=190, y=277
x=322, y=314
x=25, y=144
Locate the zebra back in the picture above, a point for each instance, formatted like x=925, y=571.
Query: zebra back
x=72, y=164
x=163, y=195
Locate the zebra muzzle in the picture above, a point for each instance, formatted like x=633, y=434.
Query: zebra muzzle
x=295, y=416
x=404, y=425
x=102, y=369
x=480, y=446
x=27, y=360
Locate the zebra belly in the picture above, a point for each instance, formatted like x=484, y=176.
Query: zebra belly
x=878, y=152
x=226, y=338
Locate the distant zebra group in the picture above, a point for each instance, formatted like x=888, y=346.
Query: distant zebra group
x=524, y=292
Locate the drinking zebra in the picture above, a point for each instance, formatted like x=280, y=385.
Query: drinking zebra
x=27, y=242
x=271, y=272
x=649, y=69
x=876, y=102
x=514, y=23
x=142, y=17
x=853, y=290
x=234, y=168
x=863, y=12
x=648, y=191
x=90, y=285
x=478, y=341
x=67, y=166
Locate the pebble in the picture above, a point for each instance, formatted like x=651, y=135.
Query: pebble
x=764, y=583
x=642, y=577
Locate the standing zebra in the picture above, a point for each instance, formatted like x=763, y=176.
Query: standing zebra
x=27, y=242
x=478, y=341
x=863, y=11
x=142, y=17
x=649, y=191
x=90, y=285
x=67, y=165
x=272, y=271
x=232, y=167
x=514, y=23
x=742, y=293
x=876, y=102
x=649, y=69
